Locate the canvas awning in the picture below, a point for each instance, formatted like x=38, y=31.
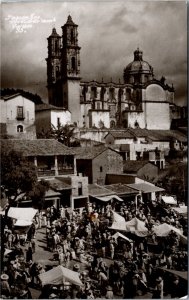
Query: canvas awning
x=134, y=226
x=120, y=235
x=145, y=187
x=22, y=223
x=21, y=213
x=59, y=275
x=108, y=198
x=164, y=229
x=137, y=227
x=182, y=210
x=181, y=274
x=169, y=200
x=117, y=217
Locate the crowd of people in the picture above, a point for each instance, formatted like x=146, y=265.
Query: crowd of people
x=109, y=266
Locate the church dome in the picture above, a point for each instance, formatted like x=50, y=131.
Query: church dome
x=138, y=67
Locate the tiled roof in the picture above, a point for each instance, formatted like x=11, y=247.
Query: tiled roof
x=52, y=193
x=167, y=135
x=98, y=190
x=121, y=134
x=133, y=166
x=90, y=152
x=37, y=147
x=46, y=106
x=7, y=97
x=58, y=185
x=154, y=135
x=120, y=188
x=145, y=187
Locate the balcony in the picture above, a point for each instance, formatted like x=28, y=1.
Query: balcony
x=20, y=117
x=43, y=172
x=65, y=171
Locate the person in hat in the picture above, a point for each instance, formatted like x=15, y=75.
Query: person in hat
x=5, y=288
x=158, y=290
x=109, y=293
x=53, y=296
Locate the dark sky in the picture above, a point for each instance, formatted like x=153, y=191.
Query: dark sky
x=109, y=32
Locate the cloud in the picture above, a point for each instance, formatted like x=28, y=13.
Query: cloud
x=109, y=32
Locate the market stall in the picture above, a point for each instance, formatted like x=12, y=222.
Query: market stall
x=60, y=275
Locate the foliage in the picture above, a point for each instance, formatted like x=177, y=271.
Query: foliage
x=62, y=133
x=175, y=180
x=37, y=195
x=17, y=174
x=35, y=98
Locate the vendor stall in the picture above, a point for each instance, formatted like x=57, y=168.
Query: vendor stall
x=59, y=275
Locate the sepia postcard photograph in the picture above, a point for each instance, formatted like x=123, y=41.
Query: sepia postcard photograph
x=93, y=150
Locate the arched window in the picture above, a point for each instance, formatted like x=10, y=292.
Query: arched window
x=120, y=93
x=128, y=94
x=93, y=92
x=73, y=63
x=56, y=46
x=98, y=105
x=102, y=92
x=57, y=71
x=111, y=93
x=19, y=128
x=112, y=124
x=72, y=36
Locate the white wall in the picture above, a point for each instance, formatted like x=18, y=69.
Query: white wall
x=158, y=116
x=9, y=116
x=97, y=116
x=63, y=115
x=135, y=116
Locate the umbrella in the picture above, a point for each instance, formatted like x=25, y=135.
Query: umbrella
x=59, y=275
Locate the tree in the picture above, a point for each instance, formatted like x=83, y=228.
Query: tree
x=62, y=133
x=175, y=180
x=18, y=175
x=37, y=195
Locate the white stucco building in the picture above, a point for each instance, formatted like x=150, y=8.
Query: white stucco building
x=18, y=116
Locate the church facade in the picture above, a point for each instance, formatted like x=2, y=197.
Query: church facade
x=141, y=101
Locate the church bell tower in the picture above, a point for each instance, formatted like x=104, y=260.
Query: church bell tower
x=71, y=69
x=63, y=70
x=54, y=69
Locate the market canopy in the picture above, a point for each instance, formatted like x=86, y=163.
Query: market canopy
x=145, y=187
x=120, y=235
x=119, y=222
x=181, y=274
x=182, y=210
x=169, y=200
x=164, y=229
x=108, y=198
x=22, y=223
x=59, y=275
x=117, y=217
x=21, y=213
x=137, y=227
x=134, y=226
